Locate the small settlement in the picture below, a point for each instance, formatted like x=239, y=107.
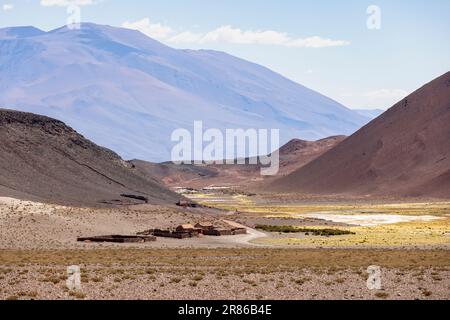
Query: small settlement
x=118, y=239
x=181, y=232
x=200, y=229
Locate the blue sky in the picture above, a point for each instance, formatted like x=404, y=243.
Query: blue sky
x=325, y=45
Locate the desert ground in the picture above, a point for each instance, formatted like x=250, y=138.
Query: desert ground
x=289, y=251
x=224, y=274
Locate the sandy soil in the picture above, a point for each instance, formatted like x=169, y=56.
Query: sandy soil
x=30, y=283
x=32, y=225
x=222, y=274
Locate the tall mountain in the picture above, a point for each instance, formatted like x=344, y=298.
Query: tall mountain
x=42, y=159
x=404, y=152
x=128, y=92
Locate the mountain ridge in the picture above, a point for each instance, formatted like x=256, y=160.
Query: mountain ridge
x=128, y=92
x=293, y=155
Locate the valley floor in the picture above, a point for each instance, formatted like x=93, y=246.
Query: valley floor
x=409, y=242
x=371, y=224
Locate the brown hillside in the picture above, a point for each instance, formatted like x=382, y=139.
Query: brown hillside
x=43, y=159
x=404, y=152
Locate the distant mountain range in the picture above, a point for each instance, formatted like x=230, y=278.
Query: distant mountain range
x=293, y=155
x=128, y=92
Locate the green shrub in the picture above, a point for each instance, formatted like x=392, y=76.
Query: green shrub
x=292, y=229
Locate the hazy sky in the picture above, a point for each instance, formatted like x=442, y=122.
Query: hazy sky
x=324, y=45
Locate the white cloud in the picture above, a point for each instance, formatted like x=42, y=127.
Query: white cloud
x=66, y=3
x=316, y=42
x=153, y=30
x=228, y=34
x=8, y=7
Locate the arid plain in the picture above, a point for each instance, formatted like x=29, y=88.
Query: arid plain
x=413, y=252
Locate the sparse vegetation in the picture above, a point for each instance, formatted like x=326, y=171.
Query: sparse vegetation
x=28, y=294
x=427, y=293
x=97, y=279
x=250, y=282
x=175, y=280
x=197, y=278
x=317, y=232
x=52, y=279
x=382, y=295
x=77, y=294
x=182, y=271
x=302, y=281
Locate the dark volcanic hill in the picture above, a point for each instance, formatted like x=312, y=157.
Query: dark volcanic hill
x=404, y=152
x=43, y=159
x=293, y=155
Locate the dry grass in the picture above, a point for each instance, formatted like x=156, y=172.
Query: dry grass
x=382, y=295
x=77, y=294
x=243, y=259
x=431, y=233
x=407, y=234
x=241, y=274
x=244, y=203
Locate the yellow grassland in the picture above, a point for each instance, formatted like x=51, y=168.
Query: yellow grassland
x=415, y=233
